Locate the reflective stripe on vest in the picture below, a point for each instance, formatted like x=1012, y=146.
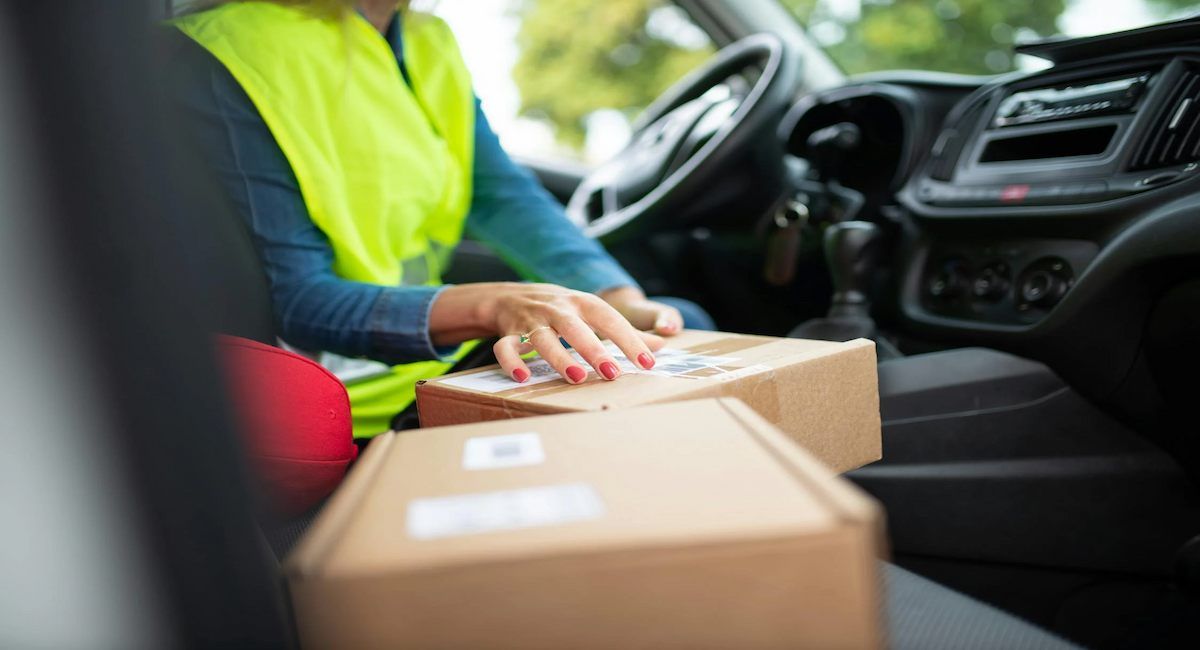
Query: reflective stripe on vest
x=384, y=168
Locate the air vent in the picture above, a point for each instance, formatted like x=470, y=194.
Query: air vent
x=950, y=142
x=1174, y=136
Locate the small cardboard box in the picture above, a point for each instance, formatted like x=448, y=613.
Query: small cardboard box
x=823, y=395
x=685, y=525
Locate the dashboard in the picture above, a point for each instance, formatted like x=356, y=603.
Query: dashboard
x=1030, y=206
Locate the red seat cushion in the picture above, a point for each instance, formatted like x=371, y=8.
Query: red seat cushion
x=295, y=418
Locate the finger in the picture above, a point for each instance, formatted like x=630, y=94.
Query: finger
x=508, y=355
x=668, y=321
x=588, y=345
x=615, y=327
x=545, y=341
x=652, y=341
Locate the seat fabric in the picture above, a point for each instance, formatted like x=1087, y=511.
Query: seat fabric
x=923, y=615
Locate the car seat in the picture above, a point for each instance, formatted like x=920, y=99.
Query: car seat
x=147, y=264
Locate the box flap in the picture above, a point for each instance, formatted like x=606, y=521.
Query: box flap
x=684, y=473
x=842, y=499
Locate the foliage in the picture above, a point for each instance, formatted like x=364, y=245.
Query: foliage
x=968, y=36
x=577, y=56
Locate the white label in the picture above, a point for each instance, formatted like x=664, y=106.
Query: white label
x=496, y=452
x=472, y=514
x=670, y=362
x=684, y=363
x=496, y=380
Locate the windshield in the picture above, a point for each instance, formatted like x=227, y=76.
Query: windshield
x=967, y=36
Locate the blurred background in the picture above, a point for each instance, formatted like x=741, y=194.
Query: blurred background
x=527, y=65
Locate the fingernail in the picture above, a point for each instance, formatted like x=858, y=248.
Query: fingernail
x=645, y=360
x=576, y=374
x=609, y=370
x=520, y=374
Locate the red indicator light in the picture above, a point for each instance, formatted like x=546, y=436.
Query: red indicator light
x=1014, y=193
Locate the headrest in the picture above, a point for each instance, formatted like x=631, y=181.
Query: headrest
x=295, y=419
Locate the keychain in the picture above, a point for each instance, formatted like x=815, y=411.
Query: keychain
x=784, y=240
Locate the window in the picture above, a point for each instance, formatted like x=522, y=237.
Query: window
x=968, y=36
x=564, y=78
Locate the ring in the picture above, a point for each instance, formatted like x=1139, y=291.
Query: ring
x=525, y=337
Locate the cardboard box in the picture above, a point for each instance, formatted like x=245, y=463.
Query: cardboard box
x=823, y=395
x=686, y=525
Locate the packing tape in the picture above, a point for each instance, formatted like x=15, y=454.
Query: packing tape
x=727, y=345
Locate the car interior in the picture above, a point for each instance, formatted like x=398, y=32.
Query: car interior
x=1024, y=249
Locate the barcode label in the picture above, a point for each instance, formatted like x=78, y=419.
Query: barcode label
x=473, y=514
x=684, y=363
x=510, y=450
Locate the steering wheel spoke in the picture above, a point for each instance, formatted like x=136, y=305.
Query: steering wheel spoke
x=685, y=138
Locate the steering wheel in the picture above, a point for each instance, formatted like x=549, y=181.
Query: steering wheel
x=686, y=137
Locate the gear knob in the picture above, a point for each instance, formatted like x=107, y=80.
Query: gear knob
x=852, y=253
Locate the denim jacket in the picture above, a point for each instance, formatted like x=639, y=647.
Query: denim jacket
x=314, y=308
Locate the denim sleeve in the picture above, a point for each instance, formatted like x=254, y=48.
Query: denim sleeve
x=515, y=216
x=314, y=308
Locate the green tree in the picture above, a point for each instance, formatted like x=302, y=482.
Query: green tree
x=577, y=56
x=968, y=36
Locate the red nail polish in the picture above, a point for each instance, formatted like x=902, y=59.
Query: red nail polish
x=520, y=374
x=576, y=374
x=646, y=361
x=609, y=370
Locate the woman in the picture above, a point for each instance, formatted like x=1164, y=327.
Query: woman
x=349, y=137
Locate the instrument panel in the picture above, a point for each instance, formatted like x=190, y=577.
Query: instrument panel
x=1010, y=190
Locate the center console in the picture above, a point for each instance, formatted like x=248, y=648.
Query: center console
x=1016, y=281
x=1068, y=145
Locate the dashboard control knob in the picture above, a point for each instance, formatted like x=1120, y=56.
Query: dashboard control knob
x=991, y=282
x=1045, y=282
x=948, y=281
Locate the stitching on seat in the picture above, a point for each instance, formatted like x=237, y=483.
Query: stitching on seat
x=987, y=411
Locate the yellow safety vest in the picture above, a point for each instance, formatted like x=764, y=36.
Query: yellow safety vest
x=384, y=168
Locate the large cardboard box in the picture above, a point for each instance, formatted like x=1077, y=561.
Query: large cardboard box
x=824, y=395
x=686, y=525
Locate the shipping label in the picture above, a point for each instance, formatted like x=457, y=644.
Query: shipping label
x=485, y=512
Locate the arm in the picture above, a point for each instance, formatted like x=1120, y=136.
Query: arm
x=318, y=310
x=517, y=217
x=314, y=308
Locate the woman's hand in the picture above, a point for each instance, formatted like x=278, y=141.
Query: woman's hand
x=546, y=312
x=642, y=313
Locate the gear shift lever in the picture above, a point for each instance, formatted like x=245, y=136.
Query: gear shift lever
x=852, y=253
